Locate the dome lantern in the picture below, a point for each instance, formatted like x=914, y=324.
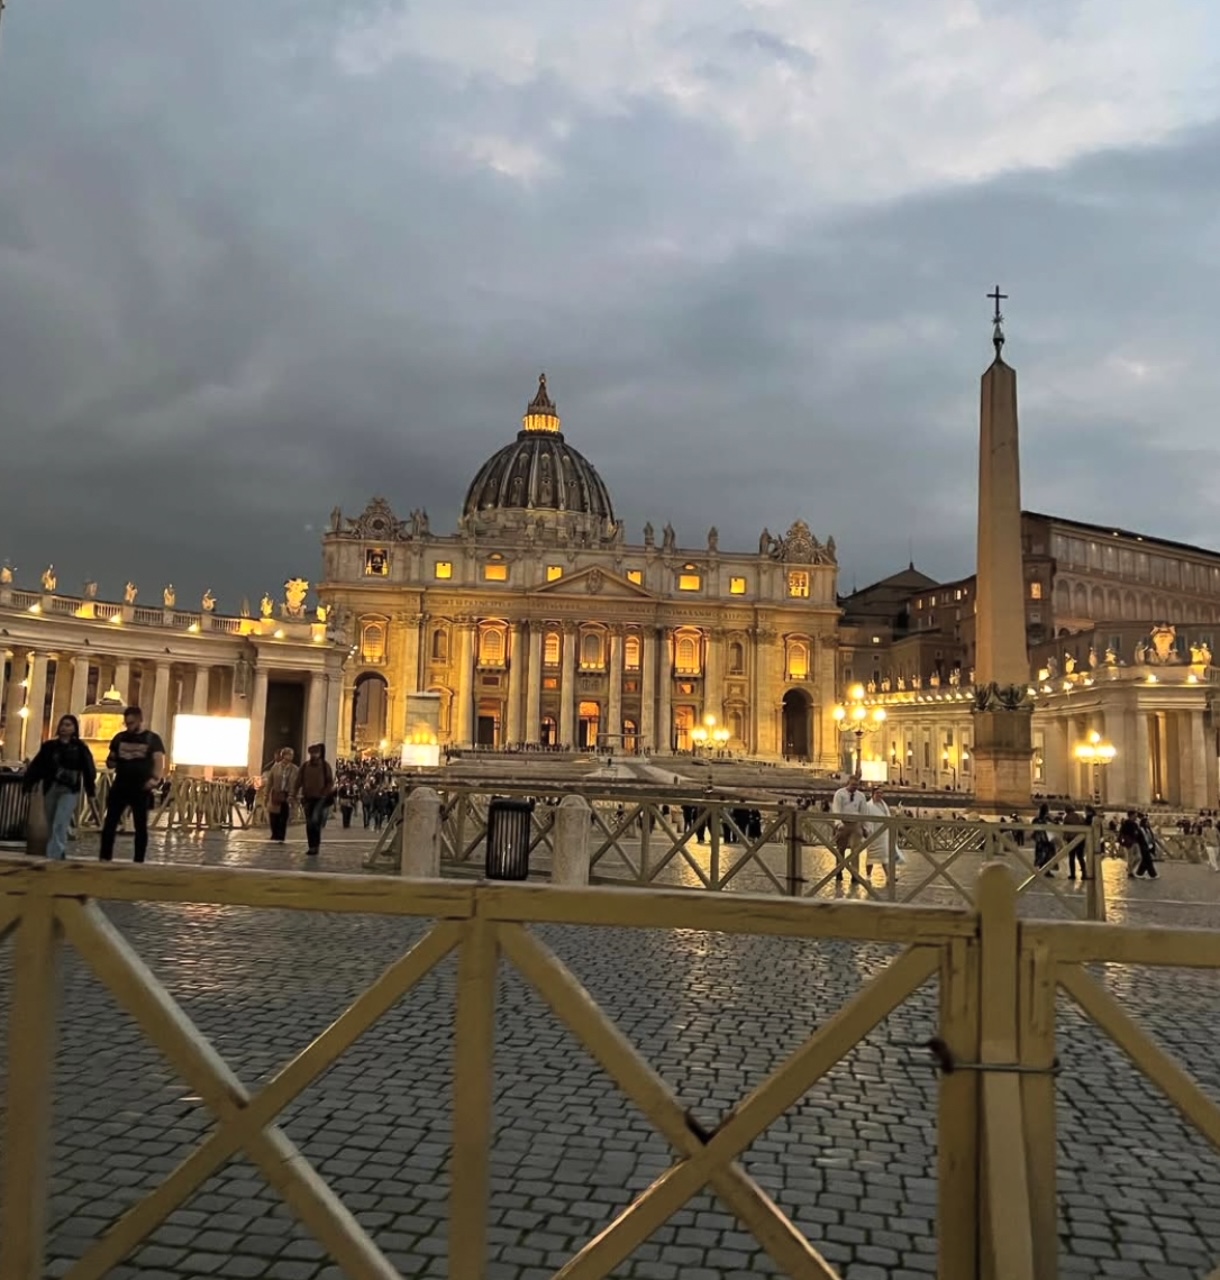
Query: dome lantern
x=541, y=414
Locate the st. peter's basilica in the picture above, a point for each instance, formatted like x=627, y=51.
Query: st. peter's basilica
x=539, y=624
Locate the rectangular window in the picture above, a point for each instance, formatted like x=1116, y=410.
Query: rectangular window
x=690, y=582
x=798, y=584
x=495, y=573
x=636, y=576
x=737, y=586
x=550, y=682
x=1035, y=591
x=553, y=572
x=444, y=569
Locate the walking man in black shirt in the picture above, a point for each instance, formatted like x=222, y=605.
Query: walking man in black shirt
x=137, y=756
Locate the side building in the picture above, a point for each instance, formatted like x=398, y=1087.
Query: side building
x=539, y=625
x=1120, y=628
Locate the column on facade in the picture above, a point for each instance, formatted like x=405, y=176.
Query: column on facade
x=346, y=745
x=156, y=717
x=567, y=687
x=768, y=704
x=410, y=682
x=14, y=725
x=315, y=709
x=516, y=673
x=258, y=712
x=122, y=679
x=1189, y=765
x=533, y=685
x=334, y=698
x=649, y=658
x=614, y=711
x=80, y=683
x=199, y=695
x=713, y=674
x=1207, y=784
x=61, y=694
x=37, y=704
x=1057, y=757
x=665, y=690
x=463, y=725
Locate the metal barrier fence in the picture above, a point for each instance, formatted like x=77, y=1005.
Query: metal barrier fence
x=998, y=979
x=702, y=842
x=14, y=807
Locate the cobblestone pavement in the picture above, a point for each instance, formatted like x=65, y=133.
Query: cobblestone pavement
x=853, y=1163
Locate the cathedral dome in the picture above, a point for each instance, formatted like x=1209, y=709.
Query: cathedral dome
x=539, y=471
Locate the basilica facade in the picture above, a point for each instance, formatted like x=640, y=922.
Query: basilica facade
x=538, y=624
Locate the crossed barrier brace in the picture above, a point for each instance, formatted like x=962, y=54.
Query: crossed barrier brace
x=994, y=1051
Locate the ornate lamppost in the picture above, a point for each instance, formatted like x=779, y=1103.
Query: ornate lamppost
x=1098, y=752
x=709, y=732
x=853, y=717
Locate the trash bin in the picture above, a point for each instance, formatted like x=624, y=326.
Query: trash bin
x=14, y=808
x=508, y=838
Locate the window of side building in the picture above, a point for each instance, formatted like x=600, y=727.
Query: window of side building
x=798, y=584
x=443, y=570
x=737, y=586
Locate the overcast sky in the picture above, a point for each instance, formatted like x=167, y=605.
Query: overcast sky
x=262, y=257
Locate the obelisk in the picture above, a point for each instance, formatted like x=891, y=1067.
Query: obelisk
x=1002, y=732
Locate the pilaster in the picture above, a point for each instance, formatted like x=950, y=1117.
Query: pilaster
x=516, y=672
x=533, y=678
x=614, y=726
x=665, y=691
x=567, y=687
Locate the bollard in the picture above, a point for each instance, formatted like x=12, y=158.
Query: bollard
x=419, y=835
x=571, y=842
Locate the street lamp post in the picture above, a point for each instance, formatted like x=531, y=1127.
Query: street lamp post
x=709, y=732
x=1098, y=752
x=853, y=717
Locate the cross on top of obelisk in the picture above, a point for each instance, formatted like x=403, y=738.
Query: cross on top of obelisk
x=997, y=333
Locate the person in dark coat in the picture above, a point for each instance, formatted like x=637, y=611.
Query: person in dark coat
x=63, y=768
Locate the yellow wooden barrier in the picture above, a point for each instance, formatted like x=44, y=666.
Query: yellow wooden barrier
x=995, y=1045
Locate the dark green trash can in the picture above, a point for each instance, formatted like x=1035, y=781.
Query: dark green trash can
x=509, y=823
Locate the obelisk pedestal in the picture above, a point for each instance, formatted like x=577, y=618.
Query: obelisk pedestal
x=1003, y=740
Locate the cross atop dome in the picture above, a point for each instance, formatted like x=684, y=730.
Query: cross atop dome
x=541, y=415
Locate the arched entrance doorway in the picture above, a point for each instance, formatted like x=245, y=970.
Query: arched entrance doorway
x=487, y=728
x=797, y=740
x=369, y=712
x=590, y=719
x=631, y=737
x=547, y=733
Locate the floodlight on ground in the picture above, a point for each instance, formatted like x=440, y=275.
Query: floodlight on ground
x=212, y=742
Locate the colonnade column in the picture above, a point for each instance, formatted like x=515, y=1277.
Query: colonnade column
x=258, y=712
x=14, y=725
x=344, y=745
x=649, y=657
x=1143, y=760
x=80, y=683
x=516, y=674
x=463, y=736
x=614, y=727
x=765, y=712
x=334, y=699
x=156, y=717
x=122, y=679
x=199, y=696
x=665, y=690
x=37, y=704
x=61, y=697
x=567, y=688
x=315, y=709
x=533, y=689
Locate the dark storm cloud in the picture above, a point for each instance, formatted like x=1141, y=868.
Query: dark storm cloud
x=237, y=287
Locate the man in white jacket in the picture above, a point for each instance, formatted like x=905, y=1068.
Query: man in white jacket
x=849, y=806
x=880, y=837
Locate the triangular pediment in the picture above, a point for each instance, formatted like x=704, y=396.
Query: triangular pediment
x=597, y=582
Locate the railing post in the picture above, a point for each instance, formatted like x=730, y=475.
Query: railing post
x=570, y=843
x=714, y=830
x=419, y=836
x=795, y=880
x=31, y=1072
x=1095, y=895
x=647, y=814
x=1037, y=1044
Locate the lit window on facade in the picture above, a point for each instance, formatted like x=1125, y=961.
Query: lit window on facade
x=689, y=580
x=631, y=653
x=551, y=649
x=491, y=648
x=798, y=584
x=686, y=656
x=636, y=576
x=495, y=571
x=1035, y=591
x=554, y=572
x=737, y=586
x=444, y=569
x=798, y=660
x=372, y=642
x=376, y=563
x=591, y=651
